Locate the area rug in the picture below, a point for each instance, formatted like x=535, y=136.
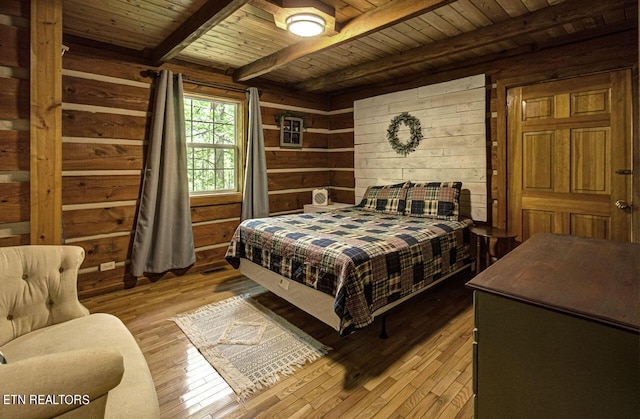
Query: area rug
x=250, y=346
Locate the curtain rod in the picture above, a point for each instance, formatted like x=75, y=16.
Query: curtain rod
x=153, y=74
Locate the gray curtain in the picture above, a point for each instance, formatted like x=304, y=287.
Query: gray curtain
x=255, y=196
x=163, y=237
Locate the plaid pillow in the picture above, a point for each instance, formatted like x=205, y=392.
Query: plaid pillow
x=439, y=200
x=388, y=199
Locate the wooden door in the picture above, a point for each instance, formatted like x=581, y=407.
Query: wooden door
x=569, y=147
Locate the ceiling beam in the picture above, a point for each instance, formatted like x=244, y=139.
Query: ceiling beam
x=208, y=16
x=379, y=18
x=540, y=20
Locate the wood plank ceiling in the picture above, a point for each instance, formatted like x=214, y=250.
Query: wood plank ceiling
x=375, y=41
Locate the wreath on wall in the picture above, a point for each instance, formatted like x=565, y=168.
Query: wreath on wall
x=416, y=133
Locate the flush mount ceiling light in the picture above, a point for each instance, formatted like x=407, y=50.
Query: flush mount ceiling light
x=304, y=18
x=305, y=24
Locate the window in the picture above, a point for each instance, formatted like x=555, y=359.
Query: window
x=213, y=128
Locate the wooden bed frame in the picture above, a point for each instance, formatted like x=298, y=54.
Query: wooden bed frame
x=314, y=302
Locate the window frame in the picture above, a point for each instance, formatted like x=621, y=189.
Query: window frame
x=238, y=146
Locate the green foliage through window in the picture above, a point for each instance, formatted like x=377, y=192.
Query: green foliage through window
x=212, y=144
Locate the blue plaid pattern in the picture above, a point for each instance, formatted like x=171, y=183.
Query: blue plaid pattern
x=440, y=200
x=365, y=259
x=388, y=199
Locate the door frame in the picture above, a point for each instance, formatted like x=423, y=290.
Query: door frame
x=501, y=218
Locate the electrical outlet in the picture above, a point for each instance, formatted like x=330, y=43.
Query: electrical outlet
x=107, y=266
x=284, y=283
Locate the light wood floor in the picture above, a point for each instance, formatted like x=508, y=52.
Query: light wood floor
x=423, y=370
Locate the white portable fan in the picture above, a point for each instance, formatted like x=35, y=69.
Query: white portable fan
x=320, y=197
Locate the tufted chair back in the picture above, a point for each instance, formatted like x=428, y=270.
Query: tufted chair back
x=38, y=288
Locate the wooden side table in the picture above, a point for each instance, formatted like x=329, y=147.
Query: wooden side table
x=484, y=235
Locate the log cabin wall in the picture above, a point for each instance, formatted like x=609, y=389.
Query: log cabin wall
x=324, y=161
x=106, y=115
x=14, y=123
x=341, y=146
x=601, y=52
x=106, y=118
x=105, y=121
x=106, y=108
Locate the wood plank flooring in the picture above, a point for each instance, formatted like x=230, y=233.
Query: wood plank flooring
x=422, y=371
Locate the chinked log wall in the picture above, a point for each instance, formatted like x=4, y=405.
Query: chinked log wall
x=325, y=159
x=14, y=124
x=106, y=105
x=105, y=122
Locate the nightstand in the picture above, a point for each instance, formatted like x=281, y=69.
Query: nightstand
x=484, y=235
x=324, y=208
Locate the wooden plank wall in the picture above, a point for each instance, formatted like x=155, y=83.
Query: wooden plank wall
x=106, y=115
x=601, y=52
x=14, y=123
x=453, y=120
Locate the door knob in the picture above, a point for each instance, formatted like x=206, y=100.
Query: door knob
x=621, y=204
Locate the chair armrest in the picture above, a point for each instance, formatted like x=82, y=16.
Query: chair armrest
x=51, y=385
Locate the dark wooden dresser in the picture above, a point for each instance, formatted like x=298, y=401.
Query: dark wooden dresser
x=557, y=331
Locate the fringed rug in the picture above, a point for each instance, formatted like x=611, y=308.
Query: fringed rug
x=250, y=346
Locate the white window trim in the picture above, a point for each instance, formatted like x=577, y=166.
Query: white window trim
x=238, y=146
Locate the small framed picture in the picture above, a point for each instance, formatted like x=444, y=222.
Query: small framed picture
x=291, y=132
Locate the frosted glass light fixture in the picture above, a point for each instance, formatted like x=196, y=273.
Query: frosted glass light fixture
x=305, y=24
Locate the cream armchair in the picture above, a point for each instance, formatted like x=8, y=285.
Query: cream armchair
x=61, y=360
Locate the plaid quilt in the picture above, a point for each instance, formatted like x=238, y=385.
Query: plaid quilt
x=365, y=259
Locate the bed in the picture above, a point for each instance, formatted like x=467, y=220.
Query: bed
x=347, y=266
